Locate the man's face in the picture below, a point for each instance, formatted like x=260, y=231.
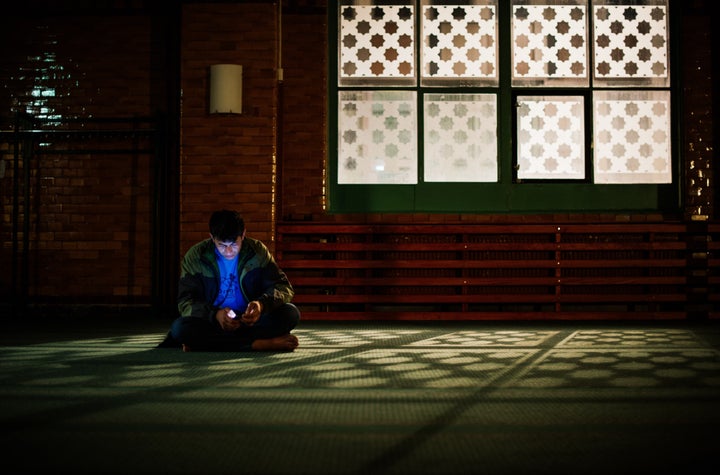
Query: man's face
x=229, y=249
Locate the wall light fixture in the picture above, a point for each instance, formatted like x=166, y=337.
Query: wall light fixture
x=226, y=89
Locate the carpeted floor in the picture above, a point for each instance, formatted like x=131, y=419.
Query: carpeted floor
x=367, y=398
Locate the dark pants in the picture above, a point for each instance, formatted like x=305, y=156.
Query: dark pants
x=202, y=335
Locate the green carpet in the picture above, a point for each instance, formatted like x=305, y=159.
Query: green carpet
x=367, y=398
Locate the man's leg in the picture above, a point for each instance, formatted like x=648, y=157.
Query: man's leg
x=197, y=334
x=169, y=342
x=280, y=321
x=272, y=331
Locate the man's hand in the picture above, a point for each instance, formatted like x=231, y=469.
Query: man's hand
x=252, y=313
x=225, y=317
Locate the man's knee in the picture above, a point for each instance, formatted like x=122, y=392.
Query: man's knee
x=291, y=315
x=189, y=329
x=282, y=319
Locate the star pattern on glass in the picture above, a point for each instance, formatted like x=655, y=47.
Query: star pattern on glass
x=630, y=41
x=459, y=41
x=377, y=42
x=632, y=140
x=549, y=41
x=561, y=119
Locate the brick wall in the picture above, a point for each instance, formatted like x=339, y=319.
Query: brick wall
x=304, y=119
x=88, y=212
x=227, y=161
x=697, y=136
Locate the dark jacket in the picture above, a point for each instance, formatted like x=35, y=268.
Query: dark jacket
x=260, y=279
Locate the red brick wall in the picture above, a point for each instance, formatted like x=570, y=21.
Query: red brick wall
x=86, y=65
x=304, y=123
x=227, y=161
x=697, y=80
x=88, y=213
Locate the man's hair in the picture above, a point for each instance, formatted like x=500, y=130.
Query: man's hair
x=226, y=225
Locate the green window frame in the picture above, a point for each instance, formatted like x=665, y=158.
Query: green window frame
x=375, y=101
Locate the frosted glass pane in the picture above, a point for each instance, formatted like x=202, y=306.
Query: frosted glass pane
x=632, y=137
x=376, y=43
x=551, y=138
x=549, y=43
x=631, y=44
x=460, y=137
x=459, y=43
x=377, y=137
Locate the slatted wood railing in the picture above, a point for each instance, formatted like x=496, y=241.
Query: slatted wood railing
x=712, y=279
x=468, y=272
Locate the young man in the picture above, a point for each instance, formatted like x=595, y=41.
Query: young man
x=232, y=296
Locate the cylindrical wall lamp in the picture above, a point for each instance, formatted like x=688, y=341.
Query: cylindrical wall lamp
x=226, y=89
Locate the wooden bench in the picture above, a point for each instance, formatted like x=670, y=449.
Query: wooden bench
x=713, y=269
x=472, y=272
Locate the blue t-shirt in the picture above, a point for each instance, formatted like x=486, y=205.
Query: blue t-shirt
x=230, y=294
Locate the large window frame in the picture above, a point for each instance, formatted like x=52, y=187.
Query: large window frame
x=510, y=193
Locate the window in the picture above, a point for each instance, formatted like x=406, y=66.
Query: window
x=489, y=106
